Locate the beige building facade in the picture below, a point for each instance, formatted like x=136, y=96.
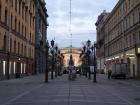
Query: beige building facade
x=75, y=52
x=100, y=40
x=122, y=36
x=17, y=37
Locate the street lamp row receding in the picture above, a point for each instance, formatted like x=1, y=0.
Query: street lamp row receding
x=53, y=52
x=87, y=51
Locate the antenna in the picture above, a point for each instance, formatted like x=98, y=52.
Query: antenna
x=70, y=30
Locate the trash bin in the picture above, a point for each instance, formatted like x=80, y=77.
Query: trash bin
x=17, y=75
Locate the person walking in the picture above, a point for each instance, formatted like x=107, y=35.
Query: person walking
x=109, y=73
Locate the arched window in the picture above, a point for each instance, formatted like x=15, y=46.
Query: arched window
x=4, y=43
x=6, y=16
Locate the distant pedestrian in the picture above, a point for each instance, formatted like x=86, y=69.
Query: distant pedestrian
x=109, y=73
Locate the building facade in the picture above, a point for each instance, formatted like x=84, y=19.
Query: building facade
x=40, y=35
x=100, y=41
x=17, y=37
x=75, y=52
x=122, y=36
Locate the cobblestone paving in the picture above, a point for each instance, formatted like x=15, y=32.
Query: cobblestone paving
x=60, y=91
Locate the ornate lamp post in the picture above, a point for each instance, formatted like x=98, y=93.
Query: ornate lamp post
x=46, y=71
x=84, y=51
x=88, y=56
x=52, y=52
x=95, y=63
x=56, y=55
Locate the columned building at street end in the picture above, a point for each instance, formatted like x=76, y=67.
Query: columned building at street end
x=122, y=36
x=40, y=35
x=17, y=38
x=75, y=52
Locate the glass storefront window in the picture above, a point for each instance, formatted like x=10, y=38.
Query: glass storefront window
x=14, y=67
x=4, y=66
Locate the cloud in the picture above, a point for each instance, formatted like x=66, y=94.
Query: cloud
x=84, y=16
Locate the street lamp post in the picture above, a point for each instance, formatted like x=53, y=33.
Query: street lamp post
x=85, y=63
x=52, y=52
x=95, y=64
x=46, y=71
x=88, y=56
x=56, y=55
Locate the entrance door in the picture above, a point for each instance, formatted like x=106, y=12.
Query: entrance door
x=18, y=70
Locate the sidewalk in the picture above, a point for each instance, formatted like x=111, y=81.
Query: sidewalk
x=33, y=91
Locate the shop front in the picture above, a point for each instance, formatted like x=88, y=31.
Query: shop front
x=18, y=66
x=138, y=60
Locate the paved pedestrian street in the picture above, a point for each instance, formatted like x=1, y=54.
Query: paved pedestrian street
x=60, y=91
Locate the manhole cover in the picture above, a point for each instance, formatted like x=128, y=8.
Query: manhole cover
x=137, y=99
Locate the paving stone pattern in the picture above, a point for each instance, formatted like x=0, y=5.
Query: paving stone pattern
x=60, y=91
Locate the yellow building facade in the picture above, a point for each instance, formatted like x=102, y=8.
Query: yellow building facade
x=17, y=37
x=75, y=52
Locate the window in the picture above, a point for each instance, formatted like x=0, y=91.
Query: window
x=15, y=23
x=19, y=27
x=133, y=19
x=33, y=22
x=11, y=1
x=22, y=11
x=134, y=38
x=25, y=32
x=25, y=50
x=15, y=46
x=22, y=29
x=11, y=20
x=4, y=43
x=15, y=5
x=29, y=52
x=139, y=36
x=18, y=47
x=130, y=40
x=19, y=6
x=22, y=49
x=139, y=13
x=10, y=44
x=30, y=20
x=30, y=36
x=6, y=16
x=25, y=15
x=0, y=12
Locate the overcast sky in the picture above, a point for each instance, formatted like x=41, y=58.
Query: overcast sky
x=84, y=16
